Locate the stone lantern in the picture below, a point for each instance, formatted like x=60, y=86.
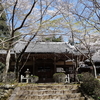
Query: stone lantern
x=27, y=72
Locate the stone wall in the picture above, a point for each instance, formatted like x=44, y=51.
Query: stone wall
x=5, y=91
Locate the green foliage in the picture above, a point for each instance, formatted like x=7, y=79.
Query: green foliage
x=34, y=78
x=16, y=34
x=1, y=70
x=10, y=77
x=97, y=93
x=47, y=39
x=59, y=77
x=4, y=30
x=90, y=85
x=52, y=39
x=87, y=77
x=1, y=67
x=80, y=77
x=59, y=39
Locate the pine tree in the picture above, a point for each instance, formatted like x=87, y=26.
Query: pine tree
x=59, y=39
x=4, y=31
x=52, y=39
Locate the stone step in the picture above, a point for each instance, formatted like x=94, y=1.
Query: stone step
x=80, y=98
x=46, y=96
x=38, y=97
x=53, y=87
x=43, y=92
x=72, y=95
x=46, y=92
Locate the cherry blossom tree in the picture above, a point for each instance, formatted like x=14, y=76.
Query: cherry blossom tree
x=28, y=17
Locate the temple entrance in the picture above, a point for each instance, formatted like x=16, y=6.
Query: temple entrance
x=44, y=68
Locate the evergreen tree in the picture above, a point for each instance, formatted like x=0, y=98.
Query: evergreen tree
x=59, y=39
x=53, y=39
x=4, y=31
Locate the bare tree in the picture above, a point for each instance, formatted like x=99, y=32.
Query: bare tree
x=28, y=17
x=12, y=32
x=85, y=49
x=89, y=16
x=83, y=21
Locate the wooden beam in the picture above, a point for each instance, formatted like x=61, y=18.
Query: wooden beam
x=54, y=64
x=33, y=65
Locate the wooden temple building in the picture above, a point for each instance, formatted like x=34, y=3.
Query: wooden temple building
x=43, y=59
x=96, y=60
x=86, y=66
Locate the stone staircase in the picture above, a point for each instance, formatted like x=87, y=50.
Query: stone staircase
x=46, y=92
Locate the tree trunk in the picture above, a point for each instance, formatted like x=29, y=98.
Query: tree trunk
x=7, y=66
x=94, y=70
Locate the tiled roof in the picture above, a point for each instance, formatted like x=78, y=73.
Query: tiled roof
x=96, y=56
x=45, y=47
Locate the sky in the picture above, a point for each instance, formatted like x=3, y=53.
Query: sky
x=33, y=20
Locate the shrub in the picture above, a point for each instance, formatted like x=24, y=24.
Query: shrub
x=1, y=77
x=34, y=78
x=1, y=67
x=90, y=85
x=1, y=70
x=59, y=77
x=79, y=77
x=97, y=93
x=10, y=77
x=87, y=77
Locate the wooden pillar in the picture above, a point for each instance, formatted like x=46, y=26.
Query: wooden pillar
x=65, y=63
x=33, y=66
x=75, y=67
x=54, y=64
x=20, y=67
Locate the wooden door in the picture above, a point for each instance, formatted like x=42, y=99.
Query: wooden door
x=44, y=69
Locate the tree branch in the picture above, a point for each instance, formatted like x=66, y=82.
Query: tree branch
x=25, y=17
